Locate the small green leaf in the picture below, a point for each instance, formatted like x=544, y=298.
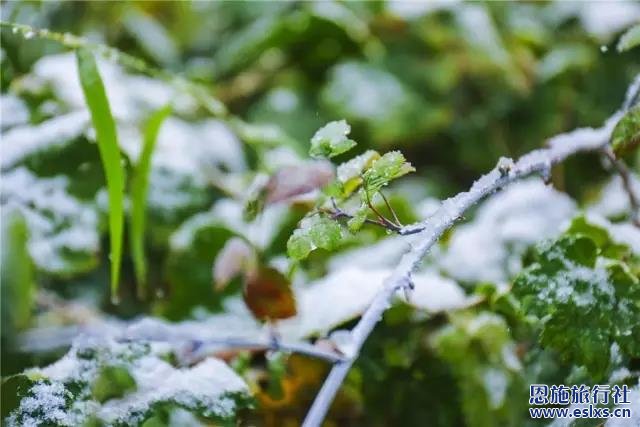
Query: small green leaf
x=350, y=173
x=384, y=170
x=331, y=140
x=630, y=39
x=105, y=128
x=139, y=187
x=315, y=231
x=112, y=382
x=358, y=219
x=626, y=134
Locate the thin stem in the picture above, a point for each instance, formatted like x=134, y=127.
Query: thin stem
x=537, y=161
x=386, y=202
x=381, y=217
x=213, y=346
x=625, y=176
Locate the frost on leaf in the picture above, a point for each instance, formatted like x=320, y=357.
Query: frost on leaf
x=586, y=299
x=331, y=140
x=349, y=173
x=390, y=166
x=315, y=231
x=626, y=135
x=115, y=383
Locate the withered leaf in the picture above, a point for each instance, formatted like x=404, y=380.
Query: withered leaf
x=292, y=181
x=235, y=258
x=268, y=295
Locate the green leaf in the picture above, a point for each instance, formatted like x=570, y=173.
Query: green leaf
x=358, y=219
x=331, y=140
x=105, y=128
x=584, y=301
x=481, y=354
x=315, y=231
x=630, y=39
x=139, y=187
x=18, y=278
x=384, y=170
x=626, y=134
x=349, y=174
x=112, y=382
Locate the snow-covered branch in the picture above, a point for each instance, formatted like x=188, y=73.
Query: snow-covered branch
x=430, y=230
x=189, y=348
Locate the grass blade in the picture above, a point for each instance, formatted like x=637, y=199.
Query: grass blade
x=106, y=135
x=139, y=186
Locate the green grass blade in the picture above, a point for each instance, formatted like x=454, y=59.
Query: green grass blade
x=106, y=135
x=139, y=186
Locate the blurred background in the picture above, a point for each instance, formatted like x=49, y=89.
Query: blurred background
x=453, y=85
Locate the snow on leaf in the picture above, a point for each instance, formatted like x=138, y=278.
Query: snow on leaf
x=349, y=173
x=331, y=140
x=315, y=231
x=390, y=166
x=585, y=300
x=626, y=135
x=13, y=111
x=64, y=392
x=630, y=39
x=21, y=142
x=64, y=236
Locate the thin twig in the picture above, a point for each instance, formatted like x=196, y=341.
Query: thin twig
x=386, y=202
x=217, y=346
x=625, y=175
x=381, y=217
x=538, y=161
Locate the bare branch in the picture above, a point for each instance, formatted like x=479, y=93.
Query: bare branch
x=430, y=230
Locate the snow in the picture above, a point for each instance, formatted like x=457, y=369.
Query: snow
x=601, y=19
x=23, y=141
x=495, y=383
x=613, y=200
x=206, y=387
x=13, y=111
x=385, y=253
x=228, y=213
x=131, y=97
x=205, y=384
x=435, y=293
x=415, y=9
x=46, y=399
x=480, y=31
x=58, y=222
x=489, y=248
x=191, y=148
x=624, y=233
